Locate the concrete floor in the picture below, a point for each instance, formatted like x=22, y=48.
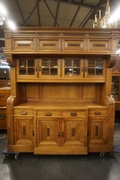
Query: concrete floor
x=46, y=167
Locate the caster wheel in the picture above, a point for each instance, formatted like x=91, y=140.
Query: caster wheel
x=102, y=154
x=16, y=156
x=112, y=154
x=5, y=156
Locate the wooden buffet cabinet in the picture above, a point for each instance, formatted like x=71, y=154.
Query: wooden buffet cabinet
x=60, y=100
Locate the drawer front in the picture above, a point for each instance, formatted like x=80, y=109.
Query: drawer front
x=23, y=111
x=98, y=112
x=73, y=113
x=3, y=98
x=48, y=113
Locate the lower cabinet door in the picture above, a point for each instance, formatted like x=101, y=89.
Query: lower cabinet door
x=24, y=133
x=74, y=132
x=48, y=132
x=98, y=134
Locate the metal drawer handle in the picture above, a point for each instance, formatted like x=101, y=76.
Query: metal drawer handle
x=2, y=95
x=73, y=114
x=23, y=112
x=2, y=116
x=48, y=114
x=97, y=113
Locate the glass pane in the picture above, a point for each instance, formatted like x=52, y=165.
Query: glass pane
x=76, y=71
x=22, y=71
x=31, y=71
x=45, y=71
x=99, y=63
x=45, y=63
x=91, y=63
x=53, y=71
x=91, y=71
x=31, y=63
x=53, y=63
x=99, y=71
x=68, y=71
x=68, y=63
x=22, y=63
x=76, y=63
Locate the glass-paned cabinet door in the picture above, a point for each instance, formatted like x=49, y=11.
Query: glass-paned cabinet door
x=72, y=68
x=94, y=67
x=50, y=68
x=115, y=88
x=26, y=67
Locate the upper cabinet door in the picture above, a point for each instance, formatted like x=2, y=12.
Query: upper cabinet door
x=38, y=69
x=94, y=68
x=49, y=68
x=26, y=68
x=72, y=68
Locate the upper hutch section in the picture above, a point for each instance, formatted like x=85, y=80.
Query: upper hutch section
x=61, y=41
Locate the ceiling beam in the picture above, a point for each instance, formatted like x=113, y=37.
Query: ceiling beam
x=38, y=11
x=20, y=11
x=92, y=12
x=81, y=4
x=75, y=14
x=31, y=12
x=50, y=11
x=58, y=4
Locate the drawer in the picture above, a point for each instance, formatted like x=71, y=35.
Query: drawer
x=48, y=113
x=3, y=98
x=23, y=111
x=74, y=113
x=98, y=112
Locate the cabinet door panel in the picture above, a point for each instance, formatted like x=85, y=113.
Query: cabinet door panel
x=24, y=130
x=48, y=132
x=74, y=132
x=98, y=130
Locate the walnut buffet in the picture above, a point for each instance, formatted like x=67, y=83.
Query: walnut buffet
x=60, y=100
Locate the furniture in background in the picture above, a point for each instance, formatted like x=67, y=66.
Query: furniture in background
x=4, y=94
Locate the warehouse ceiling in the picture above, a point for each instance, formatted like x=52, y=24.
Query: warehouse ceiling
x=54, y=13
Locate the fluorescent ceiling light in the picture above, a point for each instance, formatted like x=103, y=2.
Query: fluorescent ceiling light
x=115, y=16
x=3, y=10
x=11, y=25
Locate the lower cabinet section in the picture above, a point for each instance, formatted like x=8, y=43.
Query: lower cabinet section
x=61, y=136
x=62, y=132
